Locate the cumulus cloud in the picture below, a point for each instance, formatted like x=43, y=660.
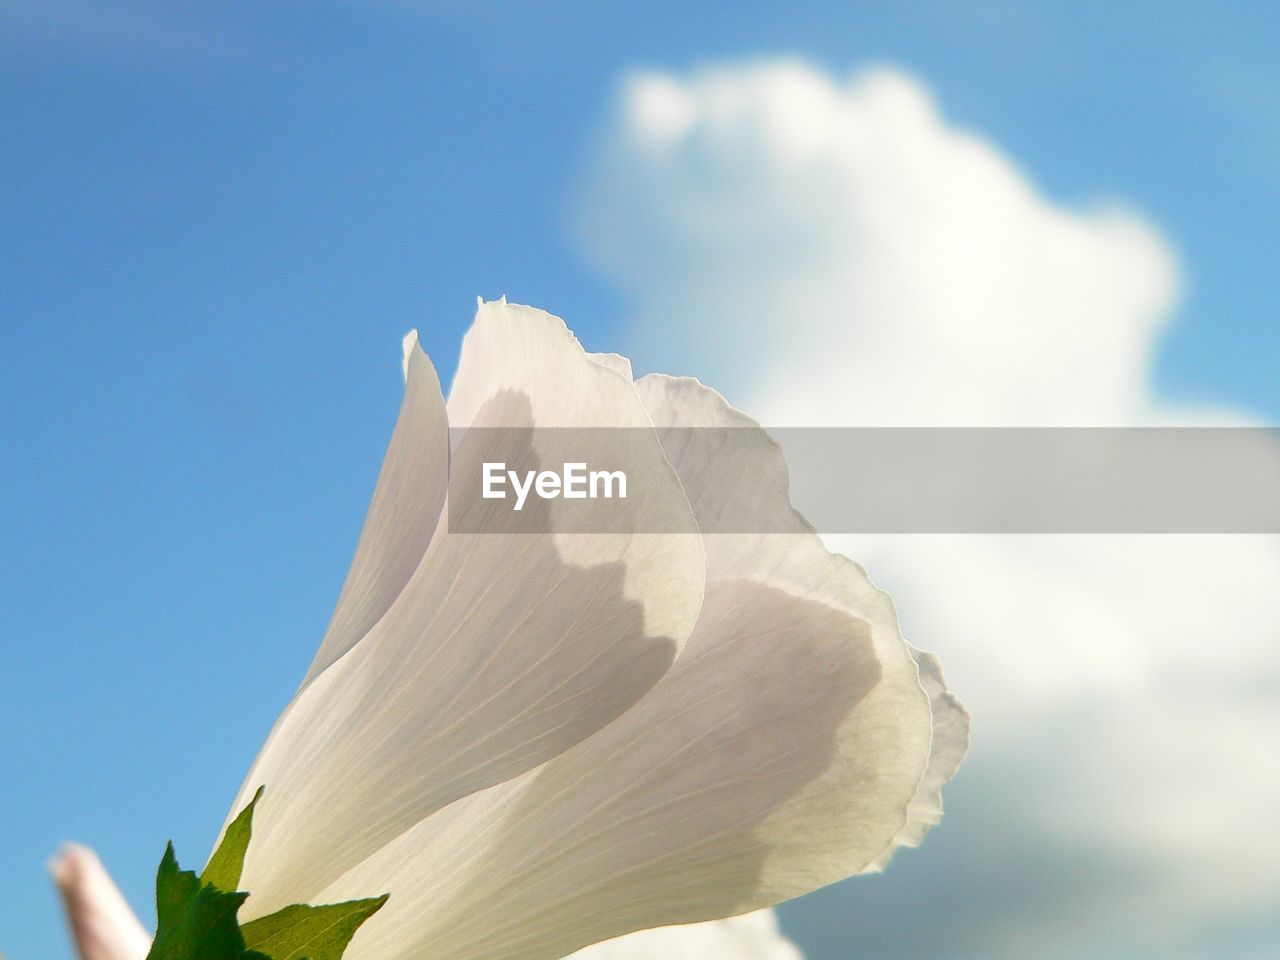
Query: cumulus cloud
x=781, y=220
x=833, y=251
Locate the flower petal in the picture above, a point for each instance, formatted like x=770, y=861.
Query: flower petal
x=403, y=514
x=752, y=936
x=709, y=442
x=758, y=769
x=102, y=924
x=947, y=751
x=615, y=362
x=786, y=749
x=501, y=651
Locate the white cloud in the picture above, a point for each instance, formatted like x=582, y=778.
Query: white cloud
x=835, y=252
x=780, y=220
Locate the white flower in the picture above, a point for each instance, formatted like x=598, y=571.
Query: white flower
x=103, y=926
x=753, y=936
x=536, y=742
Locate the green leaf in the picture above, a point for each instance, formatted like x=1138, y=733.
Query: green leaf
x=317, y=933
x=197, y=915
x=224, y=867
x=196, y=921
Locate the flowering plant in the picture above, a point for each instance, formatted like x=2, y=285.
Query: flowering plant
x=538, y=741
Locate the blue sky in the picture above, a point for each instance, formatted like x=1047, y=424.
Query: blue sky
x=220, y=219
